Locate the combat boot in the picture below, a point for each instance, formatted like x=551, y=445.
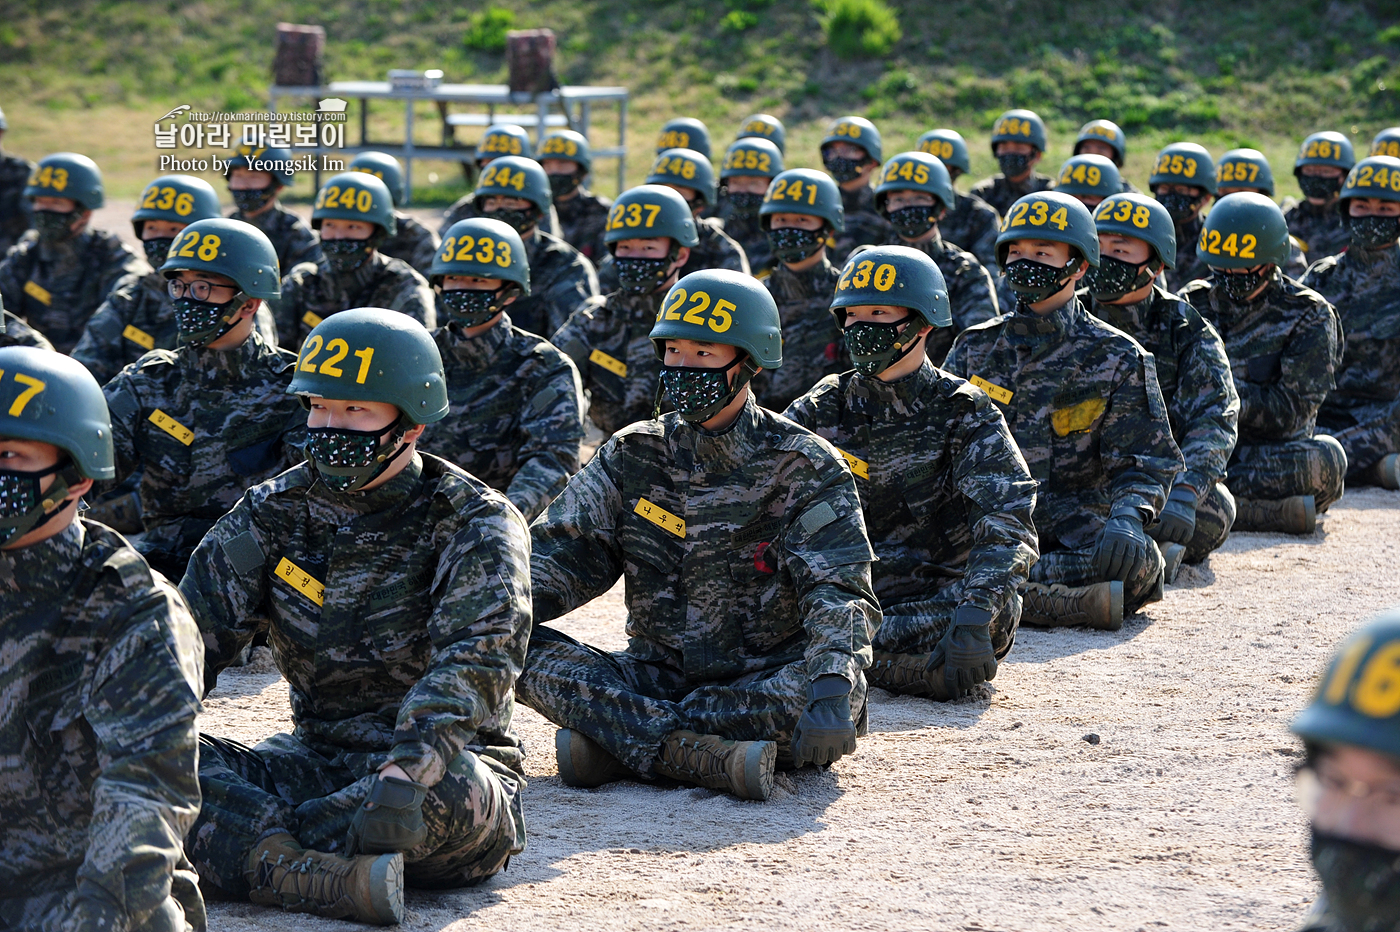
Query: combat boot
x=743, y=768
x=584, y=763
x=367, y=888
x=1172, y=555
x=1387, y=472
x=1097, y=606
x=1296, y=514
x=908, y=674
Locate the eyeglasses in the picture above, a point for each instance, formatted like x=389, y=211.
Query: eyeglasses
x=1327, y=797
x=199, y=290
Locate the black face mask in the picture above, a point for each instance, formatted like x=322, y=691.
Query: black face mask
x=1238, y=287
x=472, y=308
x=745, y=205
x=912, y=222
x=842, y=169
x=1361, y=882
x=564, y=185
x=1373, y=232
x=251, y=201
x=1319, y=186
x=156, y=250
x=345, y=255
x=1182, y=207
x=518, y=220
x=23, y=504
x=874, y=347
x=53, y=227
x=699, y=394
x=1013, y=164
x=793, y=245
x=1035, y=281
x=642, y=276
x=1115, y=278
x=348, y=460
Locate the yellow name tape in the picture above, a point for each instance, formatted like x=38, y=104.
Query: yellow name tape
x=660, y=517
x=858, y=466
x=301, y=580
x=615, y=366
x=38, y=292
x=311, y=319
x=996, y=392
x=140, y=337
x=172, y=427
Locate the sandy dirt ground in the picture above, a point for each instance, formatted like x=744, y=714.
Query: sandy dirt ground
x=1139, y=780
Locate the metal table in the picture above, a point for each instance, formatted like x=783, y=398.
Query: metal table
x=574, y=102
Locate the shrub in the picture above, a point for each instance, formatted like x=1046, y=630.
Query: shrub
x=486, y=30
x=860, y=28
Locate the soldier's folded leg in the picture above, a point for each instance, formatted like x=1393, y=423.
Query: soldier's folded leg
x=912, y=630
x=1076, y=568
x=1316, y=466
x=1215, y=515
x=1369, y=435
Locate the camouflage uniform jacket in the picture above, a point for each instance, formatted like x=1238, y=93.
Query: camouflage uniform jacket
x=1319, y=230
x=294, y=241
x=18, y=333
x=1283, y=349
x=973, y=226
x=945, y=491
x=516, y=415
x=745, y=231
x=1194, y=375
x=202, y=426
x=14, y=209
x=1082, y=401
x=971, y=290
x=742, y=551
x=399, y=616
x=1189, y=266
x=311, y=292
x=1364, y=287
x=561, y=279
x=1001, y=193
x=463, y=209
x=138, y=317
x=413, y=243
x=56, y=289
x=812, y=343
x=98, y=742
x=864, y=225
x=609, y=341
x=581, y=220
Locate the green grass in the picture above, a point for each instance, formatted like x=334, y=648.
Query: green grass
x=1241, y=73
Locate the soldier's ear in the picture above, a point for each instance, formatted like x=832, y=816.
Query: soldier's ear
x=76, y=491
x=249, y=308
x=411, y=436
x=682, y=256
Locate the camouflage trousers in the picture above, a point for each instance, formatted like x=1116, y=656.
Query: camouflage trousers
x=473, y=814
x=915, y=626
x=1076, y=568
x=53, y=910
x=1214, y=518
x=630, y=705
x=1368, y=433
x=1271, y=471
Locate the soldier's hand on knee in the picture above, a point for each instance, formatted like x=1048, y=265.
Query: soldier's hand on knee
x=966, y=650
x=1122, y=549
x=391, y=818
x=1177, y=523
x=826, y=731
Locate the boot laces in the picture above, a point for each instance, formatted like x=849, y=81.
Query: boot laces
x=307, y=884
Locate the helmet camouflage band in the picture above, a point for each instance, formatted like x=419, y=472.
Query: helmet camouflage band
x=1373, y=176
x=1356, y=702
x=1243, y=230
x=355, y=196
x=272, y=159
x=947, y=146
x=684, y=133
x=504, y=139
x=374, y=354
x=648, y=211
x=1184, y=163
x=386, y=168
x=897, y=276
x=515, y=176
x=1050, y=215
x=764, y=126
x=70, y=175
x=721, y=306
x=178, y=199
x=1019, y=126
x=1105, y=131
x=1139, y=216
x=231, y=248
x=52, y=398
x=1089, y=176
x=1325, y=148
x=1245, y=168
x=482, y=248
x=915, y=171
x=804, y=191
x=856, y=130
x=568, y=145
x=685, y=168
x=751, y=156
x=1387, y=142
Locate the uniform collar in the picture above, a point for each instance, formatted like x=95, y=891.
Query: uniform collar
x=859, y=199
x=808, y=282
x=48, y=565
x=1224, y=302
x=639, y=306
x=1136, y=318
x=397, y=491
x=697, y=449
x=230, y=365
x=1025, y=327
x=66, y=251
x=479, y=351
x=357, y=279
x=886, y=400
x=1366, y=258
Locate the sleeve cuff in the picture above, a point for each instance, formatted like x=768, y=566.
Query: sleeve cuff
x=420, y=761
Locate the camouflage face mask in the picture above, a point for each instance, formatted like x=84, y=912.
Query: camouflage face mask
x=1115, y=278
x=791, y=244
x=52, y=226
x=874, y=347
x=348, y=460
x=699, y=394
x=156, y=250
x=518, y=220
x=1181, y=207
x=200, y=323
x=564, y=185
x=345, y=255
x=912, y=222
x=745, y=205
x=1319, y=185
x=250, y=201
x=1013, y=164
x=1239, y=286
x=642, y=276
x=23, y=502
x=842, y=169
x=1373, y=232
x=1361, y=882
x=472, y=308
x=1035, y=281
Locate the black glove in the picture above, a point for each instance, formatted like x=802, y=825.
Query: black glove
x=1122, y=549
x=966, y=651
x=1177, y=522
x=390, y=820
x=825, y=731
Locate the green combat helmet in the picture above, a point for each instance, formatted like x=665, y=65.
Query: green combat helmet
x=645, y=212
x=386, y=168
x=1387, y=142
x=751, y=156
x=716, y=306
x=1047, y=215
x=177, y=199
x=686, y=168
x=273, y=159
x=1245, y=168
x=1107, y=132
x=896, y=276
x=804, y=191
x=948, y=147
x=368, y=354
x=503, y=139
x=355, y=196
x=515, y=176
x=568, y=145
x=1141, y=217
x=70, y=175
x=684, y=133
x=1325, y=148
x=482, y=248
x=915, y=171
x=1243, y=230
x=1184, y=163
x=231, y=248
x=764, y=126
x=1374, y=176
x=1089, y=176
x=857, y=130
x=1019, y=126
x=50, y=398
x=1356, y=701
